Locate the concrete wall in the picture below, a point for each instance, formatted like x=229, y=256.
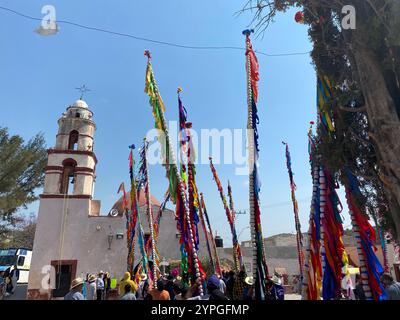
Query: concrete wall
x=84, y=239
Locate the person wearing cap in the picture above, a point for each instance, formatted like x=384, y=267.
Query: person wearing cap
x=215, y=293
x=75, y=292
x=91, y=288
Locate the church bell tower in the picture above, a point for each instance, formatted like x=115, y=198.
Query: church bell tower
x=70, y=170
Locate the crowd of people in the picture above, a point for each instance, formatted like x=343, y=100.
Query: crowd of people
x=228, y=286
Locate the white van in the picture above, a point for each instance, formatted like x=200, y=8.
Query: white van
x=21, y=256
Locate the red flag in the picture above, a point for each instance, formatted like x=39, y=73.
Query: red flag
x=124, y=200
x=130, y=159
x=254, y=70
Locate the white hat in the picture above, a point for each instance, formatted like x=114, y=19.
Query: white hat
x=143, y=277
x=249, y=281
x=275, y=279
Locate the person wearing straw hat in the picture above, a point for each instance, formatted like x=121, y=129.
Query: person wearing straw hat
x=91, y=288
x=139, y=292
x=75, y=292
x=248, y=290
x=277, y=289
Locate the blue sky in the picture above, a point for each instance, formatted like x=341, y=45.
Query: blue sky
x=39, y=76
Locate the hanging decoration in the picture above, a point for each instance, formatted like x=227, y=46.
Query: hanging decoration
x=364, y=233
x=299, y=17
x=131, y=214
x=210, y=235
x=176, y=185
x=324, y=96
x=260, y=269
x=299, y=236
x=312, y=280
x=144, y=182
x=237, y=253
x=334, y=256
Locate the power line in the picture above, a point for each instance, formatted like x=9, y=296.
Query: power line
x=171, y=44
x=285, y=203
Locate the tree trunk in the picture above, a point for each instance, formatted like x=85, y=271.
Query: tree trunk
x=383, y=121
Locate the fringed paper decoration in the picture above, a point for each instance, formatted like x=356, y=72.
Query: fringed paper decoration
x=260, y=269
x=312, y=280
x=364, y=233
x=237, y=253
x=333, y=252
x=176, y=185
x=211, y=234
x=299, y=236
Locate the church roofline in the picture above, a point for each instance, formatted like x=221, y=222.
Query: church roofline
x=65, y=196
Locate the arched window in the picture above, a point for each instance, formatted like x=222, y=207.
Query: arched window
x=73, y=140
x=68, y=177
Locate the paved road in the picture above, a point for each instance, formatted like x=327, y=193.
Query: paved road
x=20, y=293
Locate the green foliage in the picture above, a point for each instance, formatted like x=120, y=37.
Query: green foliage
x=19, y=233
x=21, y=171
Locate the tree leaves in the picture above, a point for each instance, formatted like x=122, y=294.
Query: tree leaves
x=21, y=171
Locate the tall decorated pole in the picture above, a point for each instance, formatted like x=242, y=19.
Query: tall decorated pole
x=188, y=155
x=237, y=253
x=312, y=280
x=145, y=182
x=299, y=236
x=133, y=215
x=260, y=269
x=204, y=211
x=176, y=185
x=230, y=197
